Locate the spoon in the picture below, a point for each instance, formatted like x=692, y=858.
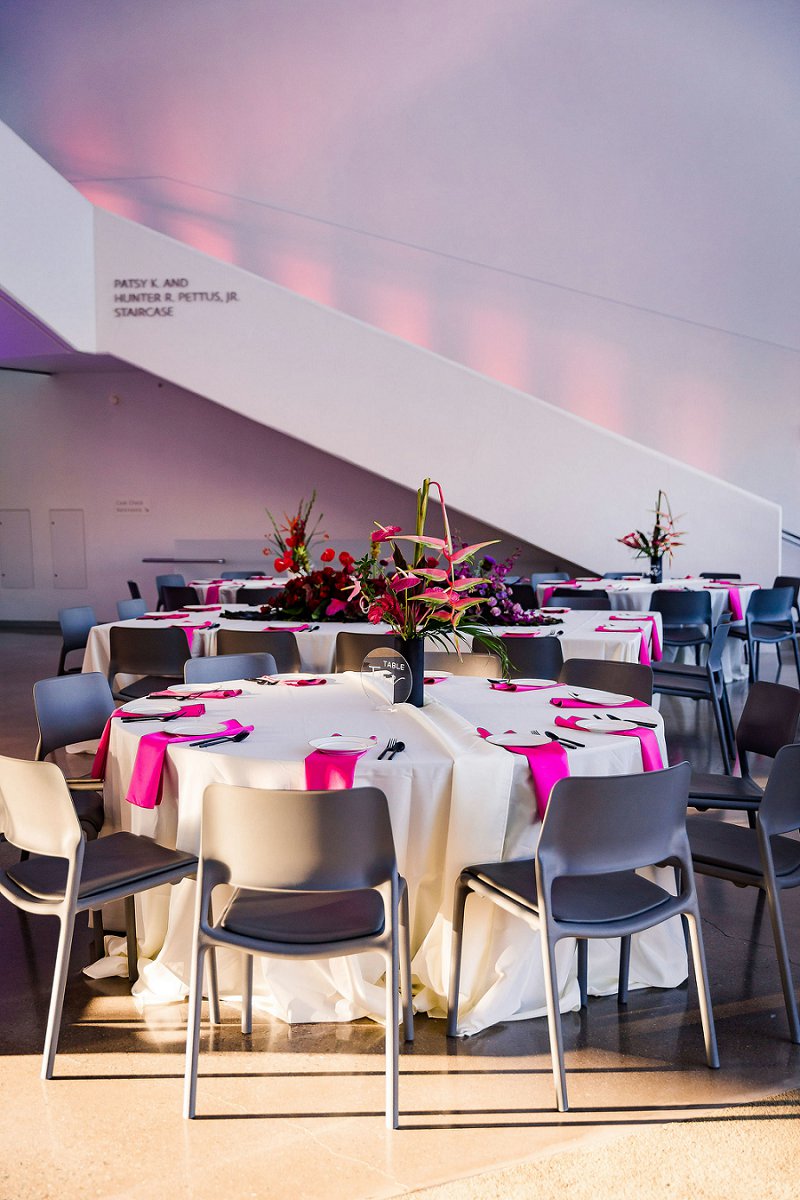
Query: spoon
x=396, y=749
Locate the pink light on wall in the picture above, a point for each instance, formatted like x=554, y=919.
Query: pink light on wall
x=113, y=199
x=499, y=346
x=403, y=312
x=203, y=233
x=593, y=380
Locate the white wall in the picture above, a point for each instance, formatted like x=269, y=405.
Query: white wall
x=592, y=202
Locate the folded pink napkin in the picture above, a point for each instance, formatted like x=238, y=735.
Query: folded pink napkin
x=286, y=628
x=430, y=679
x=165, y=616
x=146, y=785
x=510, y=686
x=526, y=633
x=644, y=654
x=191, y=630
x=212, y=592
x=651, y=752
x=99, y=764
x=213, y=694
x=303, y=682
x=570, y=702
x=547, y=763
x=331, y=769
x=637, y=618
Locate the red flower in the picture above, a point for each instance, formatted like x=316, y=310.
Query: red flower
x=384, y=532
x=327, y=554
x=346, y=559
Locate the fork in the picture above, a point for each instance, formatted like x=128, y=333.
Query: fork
x=390, y=746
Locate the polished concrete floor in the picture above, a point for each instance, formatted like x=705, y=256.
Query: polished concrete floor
x=297, y=1111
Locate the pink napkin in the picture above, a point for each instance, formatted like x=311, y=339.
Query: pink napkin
x=655, y=642
x=146, y=783
x=510, y=686
x=303, y=682
x=287, y=628
x=429, y=679
x=99, y=764
x=191, y=630
x=166, y=616
x=527, y=633
x=548, y=764
x=644, y=654
x=331, y=769
x=203, y=608
x=572, y=703
x=217, y=694
x=651, y=752
x=212, y=592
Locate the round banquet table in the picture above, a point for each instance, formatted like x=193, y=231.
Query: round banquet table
x=578, y=634
x=454, y=799
x=213, y=591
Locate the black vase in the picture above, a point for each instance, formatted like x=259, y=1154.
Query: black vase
x=657, y=569
x=413, y=650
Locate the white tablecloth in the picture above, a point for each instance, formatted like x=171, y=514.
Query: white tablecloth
x=577, y=633
x=227, y=589
x=454, y=799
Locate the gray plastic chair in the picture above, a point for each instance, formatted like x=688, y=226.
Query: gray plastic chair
x=476, y=662
x=156, y=654
x=280, y=643
x=583, y=599
x=768, y=722
x=547, y=577
x=316, y=877
x=769, y=620
x=703, y=683
x=583, y=882
x=177, y=596
x=69, y=875
x=534, y=658
x=720, y=575
x=75, y=625
x=685, y=617
x=625, y=679
x=228, y=666
x=256, y=596
x=352, y=648
x=761, y=857
x=74, y=708
x=128, y=610
x=162, y=581
x=134, y=589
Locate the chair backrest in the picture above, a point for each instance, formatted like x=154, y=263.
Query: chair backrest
x=682, y=608
x=70, y=708
x=534, y=658
x=253, y=596
x=172, y=580
x=718, y=643
x=779, y=810
x=586, y=598
x=770, y=604
x=176, y=596
x=127, y=610
x=792, y=581
x=134, y=590
x=619, y=574
x=598, y=825
x=547, y=577
x=625, y=679
x=142, y=651
x=768, y=721
x=352, y=648
x=36, y=811
x=720, y=575
x=230, y=575
x=228, y=666
x=75, y=625
x=311, y=841
x=524, y=594
x=470, y=663
x=280, y=643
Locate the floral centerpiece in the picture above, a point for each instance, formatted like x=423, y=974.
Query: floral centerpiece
x=498, y=605
x=423, y=595
x=662, y=541
x=294, y=539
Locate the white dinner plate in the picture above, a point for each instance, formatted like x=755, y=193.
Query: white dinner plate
x=543, y=683
x=605, y=722
x=590, y=696
x=519, y=739
x=156, y=707
x=343, y=745
x=551, y=608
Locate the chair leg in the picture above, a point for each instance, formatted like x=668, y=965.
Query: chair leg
x=722, y=733
x=213, y=978
x=796, y=659
x=782, y=953
x=130, y=932
x=583, y=971
x=554, y=1019
x=67, y=926
x=459, y=903
x=405, y=968
x=624, y=969
x=193, y=1031
x=392, y=1038
x=247, y=993
x=98, y=934
x=703, y=993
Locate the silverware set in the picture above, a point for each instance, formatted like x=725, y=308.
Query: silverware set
x=392, y=747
